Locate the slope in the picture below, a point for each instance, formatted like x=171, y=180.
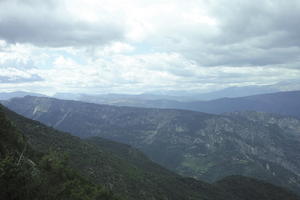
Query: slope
x=181, y=188
x=198, y=145
x=116, y=172
x=28, y=174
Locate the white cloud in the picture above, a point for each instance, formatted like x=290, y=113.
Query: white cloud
x=139, y=45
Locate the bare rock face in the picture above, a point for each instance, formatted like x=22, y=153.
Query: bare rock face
x=199, y=145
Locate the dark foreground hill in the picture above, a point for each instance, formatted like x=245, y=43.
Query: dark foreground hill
x=204, y=146
x=28, y=174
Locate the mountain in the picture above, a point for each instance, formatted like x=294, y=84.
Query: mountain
x=244, y=187
x=117, y=98
x=120, y=168
x=66, y=96
x=109, y=163
x=9, y=95
x=124, y=170
x=233, y=92
x=204, y=146
x=156, y=96
x=284, y=103
x=195, y=95
x=28, y=174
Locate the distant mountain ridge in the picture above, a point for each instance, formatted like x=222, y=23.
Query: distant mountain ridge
x=199, y=145
x=173, y=95
x=285, y=103
x=229, y=92
x=9, y=95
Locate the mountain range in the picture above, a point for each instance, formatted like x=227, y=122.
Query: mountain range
x=9, y=95
x=109, y=170
x=284, y=103
x=177, y=95
x=204, y=146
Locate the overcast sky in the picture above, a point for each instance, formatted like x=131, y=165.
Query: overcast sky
x=135, y=46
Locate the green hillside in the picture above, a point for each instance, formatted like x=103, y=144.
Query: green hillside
x=28, y=174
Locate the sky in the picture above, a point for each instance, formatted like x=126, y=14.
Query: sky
x=136, y=46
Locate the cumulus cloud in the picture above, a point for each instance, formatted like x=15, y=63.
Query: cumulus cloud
x=139, y=45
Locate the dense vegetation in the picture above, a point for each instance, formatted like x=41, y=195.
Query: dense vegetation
x=28, y=174
x=249, y=189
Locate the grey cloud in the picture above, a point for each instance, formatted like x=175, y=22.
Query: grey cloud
x=250, y=33
x=244, y=20
x=245, y=55
x=43, y=24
